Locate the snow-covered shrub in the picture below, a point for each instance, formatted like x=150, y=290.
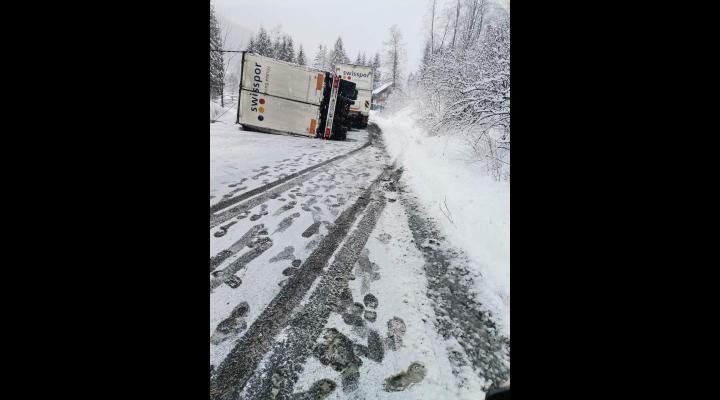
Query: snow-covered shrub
x=464, y=88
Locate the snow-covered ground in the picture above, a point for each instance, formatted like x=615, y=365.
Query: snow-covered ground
x=243, y=160
x=285, y=218
x=215, y=110
x=473, y=210
x=391, y=269
x=322, y=284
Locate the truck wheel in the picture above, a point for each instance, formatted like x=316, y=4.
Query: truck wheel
x=342, y=135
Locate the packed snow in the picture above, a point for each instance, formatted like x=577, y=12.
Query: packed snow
x=472, y=209
x=397, y=279
x=376, y=267
x=260, y=158
x=256, y=252
x=243, y=160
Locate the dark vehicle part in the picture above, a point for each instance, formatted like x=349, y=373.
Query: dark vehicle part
x=498, y=394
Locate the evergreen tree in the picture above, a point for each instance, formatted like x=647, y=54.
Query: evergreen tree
x=363, y=60
x=357, y=59
x=301, y=56
x=320, y=60
x=289, y=50
x=263, y=45
x=376, y=70
x=251, y=45
x=338, y=55
x=281, y=49
x=217, y=67
x=277, y=48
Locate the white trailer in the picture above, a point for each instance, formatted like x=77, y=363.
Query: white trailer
x=280, y=97
x=362, y=76
x=277, y=115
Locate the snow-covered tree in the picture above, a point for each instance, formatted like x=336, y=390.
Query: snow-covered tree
x=285, y=52
x=251, y=45
x=466, y=84
x=263, y=43
x=376, y=70
x=338, y=55
x=427, y=55
x=217, y=67
x=363, y=60
x=357, y=59
x=473, y=20
x=288, y=49
x=394, y=56
x=321, y=58
x=277, y=47
x=301, y=56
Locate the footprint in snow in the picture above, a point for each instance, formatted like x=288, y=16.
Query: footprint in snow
x=286, y=254
x=370, y=301
x=285, y=223
x=399, y=382
x=318, y=391
x=396, y=331
x=286, y=207
x=232, y=325
x=384, y=238
x=312, y=229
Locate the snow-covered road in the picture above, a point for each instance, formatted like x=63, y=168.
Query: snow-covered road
x=328, y=281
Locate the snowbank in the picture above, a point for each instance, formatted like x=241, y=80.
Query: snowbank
x=439, y=172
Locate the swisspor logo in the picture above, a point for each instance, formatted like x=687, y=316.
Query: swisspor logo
x=348, y=75
x=257, y=103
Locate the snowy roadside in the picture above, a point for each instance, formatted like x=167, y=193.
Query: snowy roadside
x=215, y=110
x=472, y=209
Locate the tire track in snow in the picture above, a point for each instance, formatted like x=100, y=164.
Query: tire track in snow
x=460, y=314
x=223, y=216
x=242, y=361
x=227, y=202
x=279, y=374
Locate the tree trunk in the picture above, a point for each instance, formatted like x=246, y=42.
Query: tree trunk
x=432, y=30
x=457, y=16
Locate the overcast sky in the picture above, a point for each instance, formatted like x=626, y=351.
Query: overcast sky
x=362, y=24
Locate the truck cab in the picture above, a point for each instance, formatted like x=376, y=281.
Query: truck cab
x=362, y=76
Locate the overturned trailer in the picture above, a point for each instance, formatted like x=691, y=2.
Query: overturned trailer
x=282, y=97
